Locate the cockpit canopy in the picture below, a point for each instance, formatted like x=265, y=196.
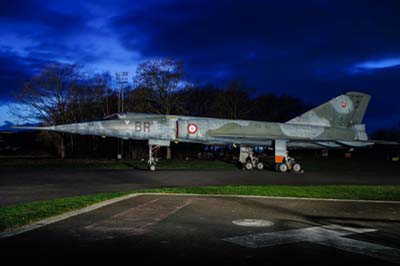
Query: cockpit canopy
x=129, y=115
x=116, y=116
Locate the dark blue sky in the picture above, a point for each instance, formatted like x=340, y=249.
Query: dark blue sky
x=311, y=49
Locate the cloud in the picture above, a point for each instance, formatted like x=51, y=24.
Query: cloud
x=8, y=115
x=311, y=49
x=376, y=64
x=34, y=33
x=14, y=70
x=299, y=48
x=303, y=40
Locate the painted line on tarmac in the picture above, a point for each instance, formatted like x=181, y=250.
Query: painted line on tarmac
x=140, y=219
x=63, y=216
x=331, y=236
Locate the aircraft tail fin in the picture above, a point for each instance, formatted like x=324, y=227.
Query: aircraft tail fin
x=345, y=110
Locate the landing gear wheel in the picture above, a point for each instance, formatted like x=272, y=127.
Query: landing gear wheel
x=296, y=168
x=260, y=166
x=152, y=167
x=248, y=166
x=282, y=167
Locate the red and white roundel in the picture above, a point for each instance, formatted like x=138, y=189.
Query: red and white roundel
x=344, y=104
x=192, y=128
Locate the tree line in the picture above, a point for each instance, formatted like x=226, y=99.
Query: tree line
x=66, y=93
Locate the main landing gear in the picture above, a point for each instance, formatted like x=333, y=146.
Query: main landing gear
x=249, y=160
x=283, y=162
x=288, y=165
x=152, y=161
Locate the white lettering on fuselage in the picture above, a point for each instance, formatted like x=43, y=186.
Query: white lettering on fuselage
x=142, y=126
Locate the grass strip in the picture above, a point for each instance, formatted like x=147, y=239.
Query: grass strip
x=21, y=214
x=18, y=215
x=352, y=192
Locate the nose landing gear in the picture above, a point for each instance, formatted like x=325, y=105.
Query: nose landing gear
x=152, y=161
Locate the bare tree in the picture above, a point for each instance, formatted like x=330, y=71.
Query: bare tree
x=163, y=76
x=392, y=133
x=47, y=97
x=92, y=97
x=272, y=107
x=200, y=101
x=233, y=102
x=140, y=100
x=104, y=95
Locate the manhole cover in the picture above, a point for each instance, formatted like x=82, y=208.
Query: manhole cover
x=253, y=222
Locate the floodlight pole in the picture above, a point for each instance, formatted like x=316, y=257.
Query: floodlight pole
x=122, y=80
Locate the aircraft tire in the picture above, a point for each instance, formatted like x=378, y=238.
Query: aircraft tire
x=260, y=166
x=282, y=167
x=248, y=166
x=296, y=168
x=152, y=167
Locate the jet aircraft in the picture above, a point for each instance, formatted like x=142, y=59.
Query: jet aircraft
x=334, y=124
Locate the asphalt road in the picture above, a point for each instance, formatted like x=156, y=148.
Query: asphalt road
x=154, y=229
x=20, y=185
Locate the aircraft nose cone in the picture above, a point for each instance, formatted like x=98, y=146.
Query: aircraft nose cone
x=78, y=128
